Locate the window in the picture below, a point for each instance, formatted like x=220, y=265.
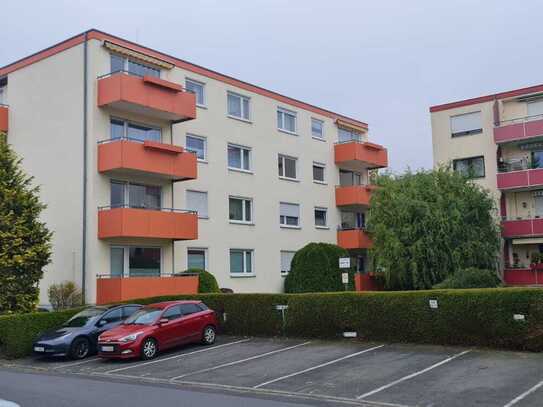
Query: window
x=535, y=107
x=352, y=220
x=239, y=157
x=286, y=261
x=113, y=316
x=197, y=201
x=173, y=313
x=135, y=261
x=346, y=135
x=317, y=128
x=465, y=124
x=240, y=209
x=287, y=166
x=125, y=194
x=320, y=217
x=241, y=262
x=120, y=63
x=197, y=145
x=318, y=172
x=348, y=178
x=238, y=106
x=198, y=89
x=289, y=214
x=197, y=259
x=473, y=167
x=127, y=311
x=286, y=120
x=187, y=309
x=124, y=129
x=3, y=90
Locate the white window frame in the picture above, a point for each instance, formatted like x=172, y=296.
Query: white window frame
x=242, y=109
x=206, y=256
x=285, y=273
x=242, y=158
x=325, y=210
x=285, y=225
x=198, y=83
x=320, y=165
x=126, y=256
x=282, y=111
x=204, y=139
x=244, y=273
x=243, y=199
x=321, y=137
x=201, y=192
x=282, y=157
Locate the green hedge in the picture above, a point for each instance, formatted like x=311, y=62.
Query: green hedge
x=471, y=317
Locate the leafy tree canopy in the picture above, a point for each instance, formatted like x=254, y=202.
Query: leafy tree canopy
x=427, y=225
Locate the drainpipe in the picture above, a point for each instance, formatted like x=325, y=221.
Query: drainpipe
x=173, y=241
x=84, y=240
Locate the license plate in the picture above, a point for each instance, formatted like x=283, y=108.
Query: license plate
x=39, y=349
x=107, y=348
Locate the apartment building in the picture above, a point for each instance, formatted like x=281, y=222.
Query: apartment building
x=498, y=140
x=150, y=165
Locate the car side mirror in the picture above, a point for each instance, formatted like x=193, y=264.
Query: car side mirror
x=163, y=321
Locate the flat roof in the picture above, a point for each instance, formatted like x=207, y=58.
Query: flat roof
x=100, y=35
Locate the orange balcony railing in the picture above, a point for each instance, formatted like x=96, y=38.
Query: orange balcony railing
x=125, y=222
x=133, y=156
x=354, y=195
x=148, y=95
x=4, y=121
x=354, y=239
x=356, y=155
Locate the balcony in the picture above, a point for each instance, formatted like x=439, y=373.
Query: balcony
x=522, y=228
x=519, y=129
x=353, y=195
x=148, y=96
x=520, y=178
x=129, y=156
x=125, y=222
x=353, y=239
x=522, y=277
x=356, y=155
x=4, y=121
x=111, y=290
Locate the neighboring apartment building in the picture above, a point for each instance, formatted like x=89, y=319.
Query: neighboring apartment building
x=150, y=165
x=498, y=140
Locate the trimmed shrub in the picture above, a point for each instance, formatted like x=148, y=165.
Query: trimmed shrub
x=207, y=282
x=315, y=268
x=64, y=295
x=471, y=278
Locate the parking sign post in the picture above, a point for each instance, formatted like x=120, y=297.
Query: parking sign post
x=345, y=263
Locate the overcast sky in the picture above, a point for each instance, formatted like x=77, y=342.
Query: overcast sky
x=383, y=62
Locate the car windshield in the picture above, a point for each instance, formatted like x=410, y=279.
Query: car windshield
x=144, y=316
x=82, y=318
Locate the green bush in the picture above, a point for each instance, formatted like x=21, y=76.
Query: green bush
x=64, y=295
x=471, y=278
x=315, y=268
x=207, y=282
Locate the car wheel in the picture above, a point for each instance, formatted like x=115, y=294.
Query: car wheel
x=209, y=335
x=149, y=349
x=80, y=348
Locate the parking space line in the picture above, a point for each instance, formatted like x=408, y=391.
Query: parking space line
x=176, y=356
x=352, y=355
x=77, y=363
x=524, y=395
x=240, y=361
x=412, y=375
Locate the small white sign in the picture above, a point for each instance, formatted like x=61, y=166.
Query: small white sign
x=281, y=307
x=349, y=334
x=433, y=304
x=344, y=262
x=519, y=317
x=345, y=278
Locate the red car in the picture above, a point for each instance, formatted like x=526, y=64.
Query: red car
x=158, y=327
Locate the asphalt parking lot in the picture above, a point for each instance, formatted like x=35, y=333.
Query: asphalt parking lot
x=347, y=372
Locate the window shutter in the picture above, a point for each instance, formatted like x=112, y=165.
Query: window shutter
x=290, y=210
x=197, y=201
x=466, y=122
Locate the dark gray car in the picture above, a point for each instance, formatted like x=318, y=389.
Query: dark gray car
x=78, y=336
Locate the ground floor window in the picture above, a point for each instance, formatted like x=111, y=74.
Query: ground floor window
x=286, y=261
x=133, y=261
x=197, y=259
x=241, y=262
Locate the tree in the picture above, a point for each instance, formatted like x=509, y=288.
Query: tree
x=25, y=241
x=315, y=268
x=64, y=295
x=427, y=225
x=471, y=278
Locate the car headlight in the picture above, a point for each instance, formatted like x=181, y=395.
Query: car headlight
x=131, y=337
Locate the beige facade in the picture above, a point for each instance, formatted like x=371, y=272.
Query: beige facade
x=47, y=123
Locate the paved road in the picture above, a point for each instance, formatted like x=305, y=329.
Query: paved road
x=41, y=390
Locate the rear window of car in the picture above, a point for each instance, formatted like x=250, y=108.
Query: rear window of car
x=202, y=306
x=187, y=309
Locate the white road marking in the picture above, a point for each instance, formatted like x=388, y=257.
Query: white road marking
x=412, y=375
x=524, y=395
x=176, y=356
x=77, y=363
x=352, y=355
x=240, y=361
